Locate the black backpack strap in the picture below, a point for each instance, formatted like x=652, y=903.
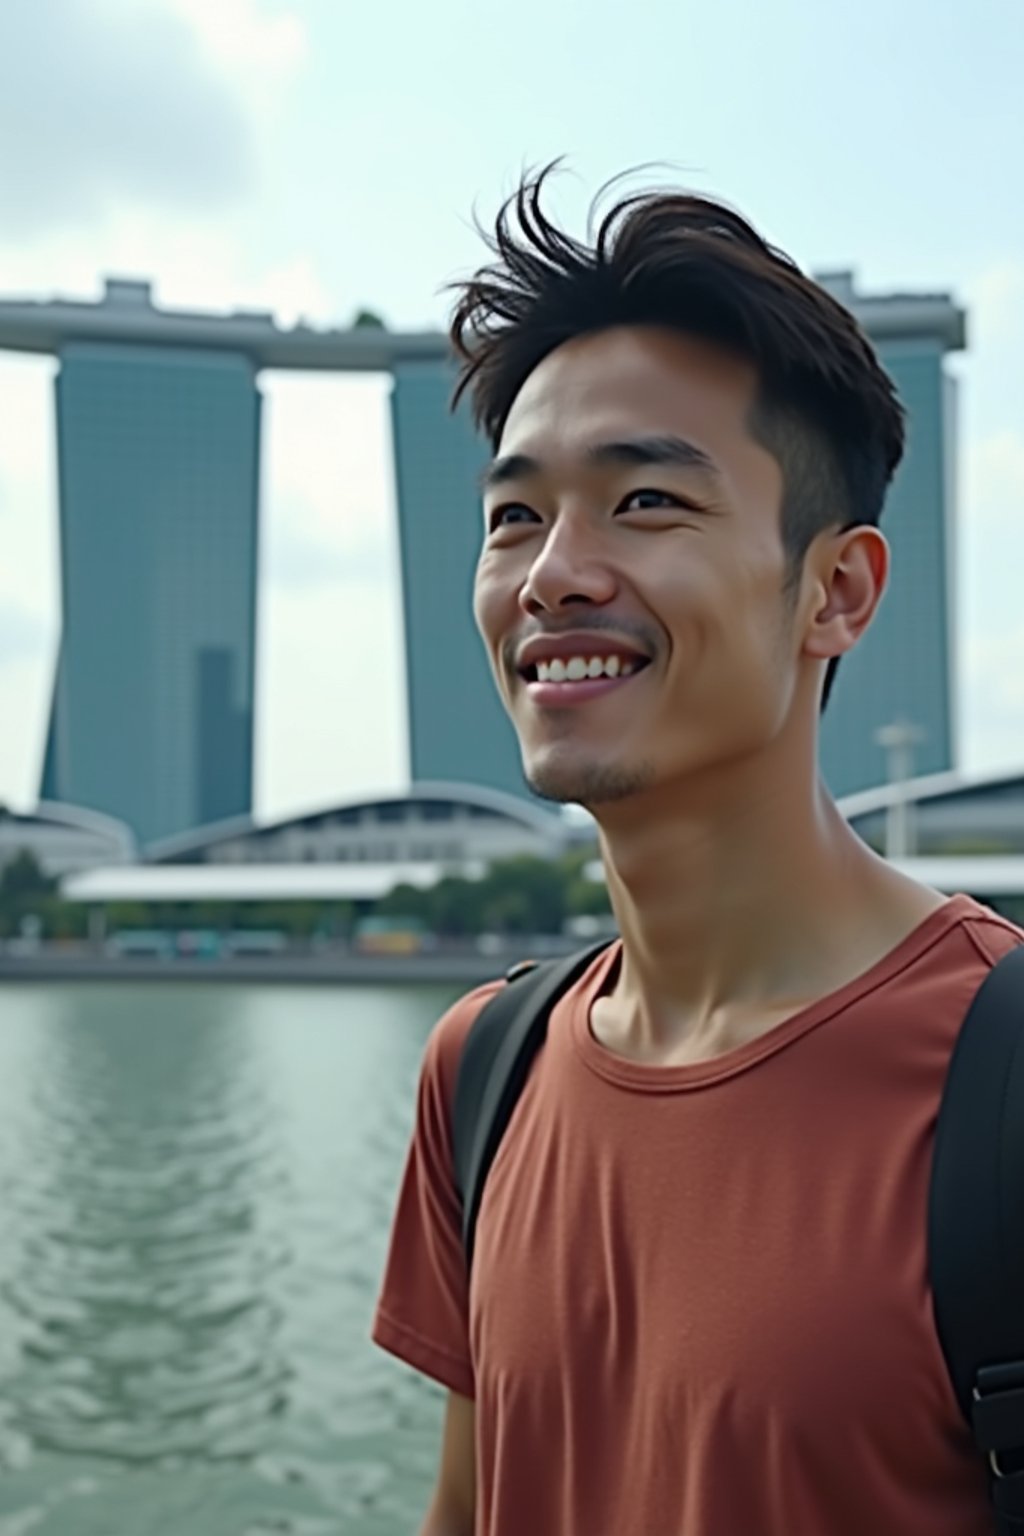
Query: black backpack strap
x=976, y=1230
x=502, y=1042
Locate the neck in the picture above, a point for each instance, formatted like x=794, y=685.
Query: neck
x=742, y=893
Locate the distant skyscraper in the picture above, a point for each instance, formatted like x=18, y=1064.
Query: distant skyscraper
x=457, y=727
x=158, y=433
x=905, y=667
x=158, y=467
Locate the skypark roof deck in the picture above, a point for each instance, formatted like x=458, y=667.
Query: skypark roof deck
x=127, y=313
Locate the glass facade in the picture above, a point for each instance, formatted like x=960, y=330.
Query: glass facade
x=158, y=455
x=903, y=668
x=457, y=727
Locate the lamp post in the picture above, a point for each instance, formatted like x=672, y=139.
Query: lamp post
x=899, y=740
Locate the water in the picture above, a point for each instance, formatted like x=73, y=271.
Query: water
x=196, y=1186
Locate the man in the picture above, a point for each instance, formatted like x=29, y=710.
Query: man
x=699, y=1301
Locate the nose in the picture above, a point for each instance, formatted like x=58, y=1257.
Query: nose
x=571, y=568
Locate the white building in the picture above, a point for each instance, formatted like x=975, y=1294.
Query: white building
x=65, y=838
x=357, y=850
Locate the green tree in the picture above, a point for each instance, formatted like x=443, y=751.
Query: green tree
x=588, y=898
x=23, y=878
x=455, y=908
x=525, y=894
x=368, y=320
x=405, y=900
x=133, y=914
x=509, y=911
x=63, y=919
x=24, y=890
x=522, y=894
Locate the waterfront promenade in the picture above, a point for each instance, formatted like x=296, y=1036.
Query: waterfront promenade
x=457, y=966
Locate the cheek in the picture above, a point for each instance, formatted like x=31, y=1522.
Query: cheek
x=724, y=613
x=762, y=610
x=494, y=606
x=756, y=643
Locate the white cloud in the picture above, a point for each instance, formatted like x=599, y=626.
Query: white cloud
x=992, y=519
x=992, y=685
x=103, y=103
x=330, y=710
x=26, y=427
x=995, y=665
x=253, y=47
x=330, y=705
x=23, y=632
x=145, y=140
x=29, y=594
x=329, y=446
x=294, y=558
x=995, y=299
x=191, y=266
x=993, y=697
x=328, y=501
x=25, y=707
x=994, y=482
x=293, y=291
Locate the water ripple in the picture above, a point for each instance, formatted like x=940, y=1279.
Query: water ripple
x=197, y=1185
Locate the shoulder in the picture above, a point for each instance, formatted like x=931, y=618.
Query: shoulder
x=989, y=933
x=448, y=1036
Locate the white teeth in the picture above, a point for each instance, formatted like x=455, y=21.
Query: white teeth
x=577, y=669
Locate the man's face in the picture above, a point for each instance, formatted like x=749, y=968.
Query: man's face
x=630, y=514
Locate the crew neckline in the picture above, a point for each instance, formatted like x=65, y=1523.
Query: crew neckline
x=644, y=1076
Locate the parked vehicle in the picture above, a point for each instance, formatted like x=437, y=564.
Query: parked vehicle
x=391, y=936
x=256, y=941
x=148, y=943
x=199, y=944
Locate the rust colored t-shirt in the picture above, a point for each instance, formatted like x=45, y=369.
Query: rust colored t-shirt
x=699, y=1301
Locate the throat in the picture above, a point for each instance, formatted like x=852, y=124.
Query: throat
x=684, y=1042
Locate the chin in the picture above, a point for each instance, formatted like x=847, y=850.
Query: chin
x=587, y=783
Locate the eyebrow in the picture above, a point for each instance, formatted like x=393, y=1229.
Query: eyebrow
x=638, y=451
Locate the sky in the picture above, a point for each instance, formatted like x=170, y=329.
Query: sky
x=315, y=157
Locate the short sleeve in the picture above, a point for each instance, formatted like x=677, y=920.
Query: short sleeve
x=422, y=1313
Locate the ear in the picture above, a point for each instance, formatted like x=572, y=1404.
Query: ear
x=848, y=572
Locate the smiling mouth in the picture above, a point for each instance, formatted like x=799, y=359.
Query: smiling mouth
x=578, y=671
x=562, y=692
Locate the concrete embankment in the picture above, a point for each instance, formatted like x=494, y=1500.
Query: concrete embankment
x=456, y=968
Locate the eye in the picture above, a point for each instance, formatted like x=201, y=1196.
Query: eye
x=501, y=517
x=647, y=499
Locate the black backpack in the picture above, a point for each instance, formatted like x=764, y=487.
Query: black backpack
x=976, y=1199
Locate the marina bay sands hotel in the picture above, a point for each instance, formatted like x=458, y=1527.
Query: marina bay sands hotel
x=158, y=450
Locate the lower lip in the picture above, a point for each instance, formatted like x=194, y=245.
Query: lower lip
x=564, y=695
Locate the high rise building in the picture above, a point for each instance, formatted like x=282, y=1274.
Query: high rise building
x=158, y=453
x=158, y=436
x=904, y=669
x=457, y=727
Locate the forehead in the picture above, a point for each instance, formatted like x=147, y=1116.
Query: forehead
x=631, y=381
